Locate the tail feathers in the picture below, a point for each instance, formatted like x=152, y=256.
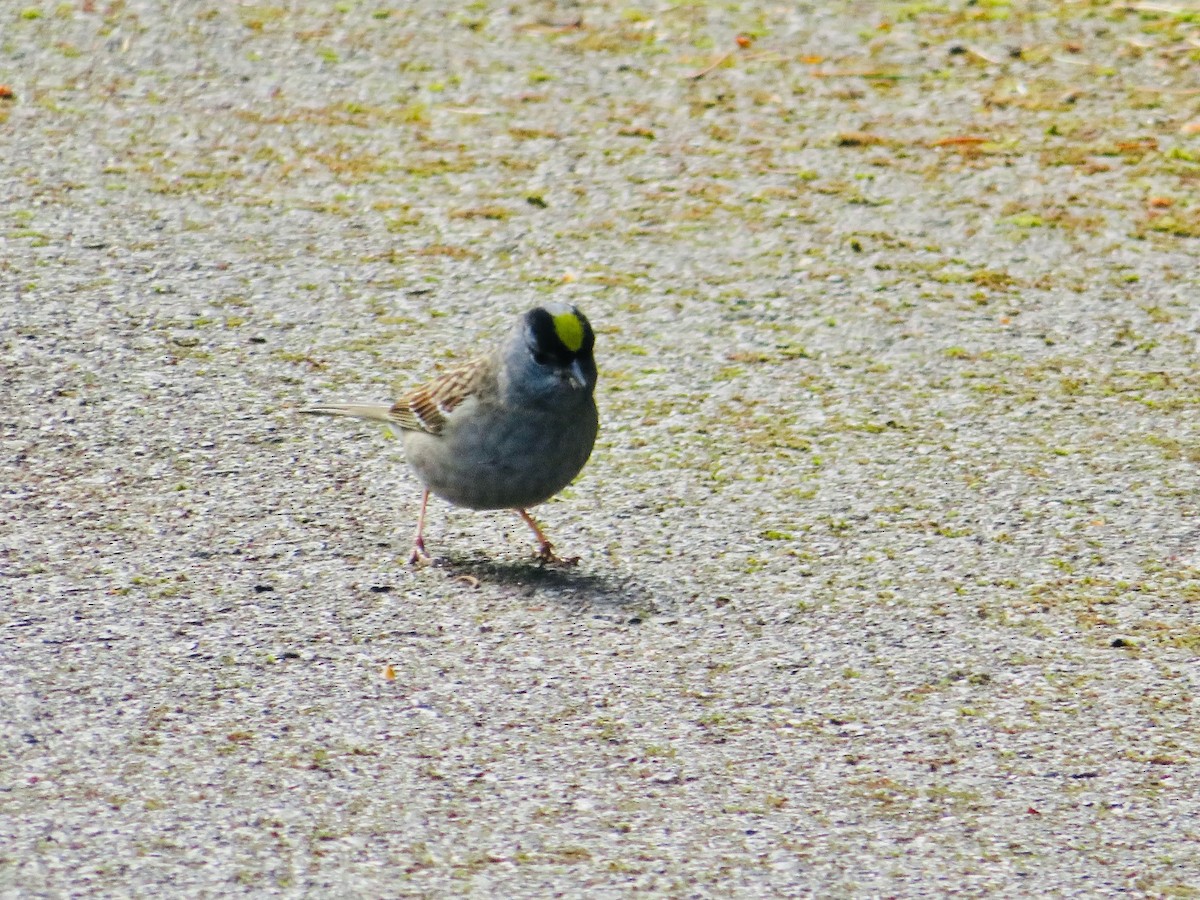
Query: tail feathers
x=376, y=412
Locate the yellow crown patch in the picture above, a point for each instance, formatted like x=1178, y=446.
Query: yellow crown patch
x=569, y=330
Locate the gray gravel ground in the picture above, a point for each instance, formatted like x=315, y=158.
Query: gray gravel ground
x=890, y=544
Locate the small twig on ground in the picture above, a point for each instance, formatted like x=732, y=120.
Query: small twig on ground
x=696, y=76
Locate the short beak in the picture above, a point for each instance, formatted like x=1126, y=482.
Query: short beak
x=577, y=378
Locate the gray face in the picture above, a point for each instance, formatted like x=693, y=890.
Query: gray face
x=550, y=360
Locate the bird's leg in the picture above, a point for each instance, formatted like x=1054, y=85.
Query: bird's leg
x=419, y=556
x=545, y=550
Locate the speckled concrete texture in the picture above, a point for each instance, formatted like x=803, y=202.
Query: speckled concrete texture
x=890, y=542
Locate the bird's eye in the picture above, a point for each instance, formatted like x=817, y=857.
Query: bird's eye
x=541, y=358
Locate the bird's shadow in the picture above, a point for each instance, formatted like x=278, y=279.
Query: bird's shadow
x=565, y=584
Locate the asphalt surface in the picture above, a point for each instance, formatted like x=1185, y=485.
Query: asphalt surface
x=889, y=546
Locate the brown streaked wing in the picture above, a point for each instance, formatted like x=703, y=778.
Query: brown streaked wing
x=426, y=408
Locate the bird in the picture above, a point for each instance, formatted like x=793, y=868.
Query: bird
x=507, y=430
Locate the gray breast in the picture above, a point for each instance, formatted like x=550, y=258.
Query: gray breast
x=503, y=462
